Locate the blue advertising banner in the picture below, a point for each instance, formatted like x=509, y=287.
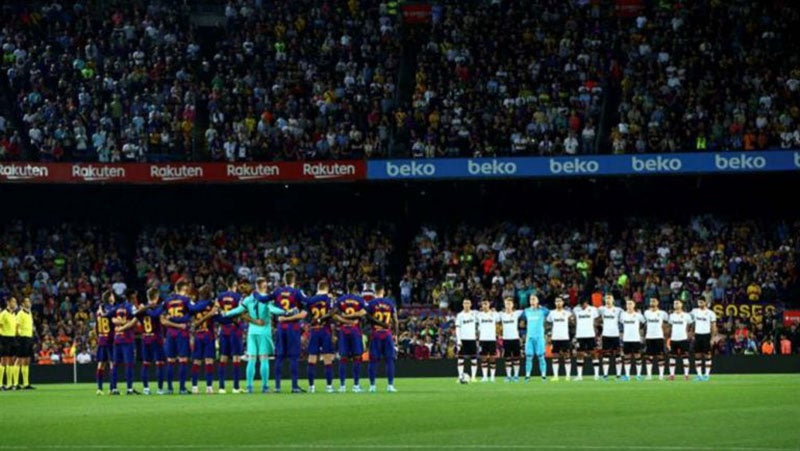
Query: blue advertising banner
x=679, y=163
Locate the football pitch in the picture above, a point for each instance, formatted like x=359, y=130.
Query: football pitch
x=729, y=412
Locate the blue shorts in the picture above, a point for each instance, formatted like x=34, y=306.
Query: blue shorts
x=153, y=352
x=534, y=346
x=176, y=346
x=204, y=348
x=350, y=345
x=230, y=345
x=123, y=353
x=320, y=342
x=287, y=343
x=381, y=348
x=105, y=353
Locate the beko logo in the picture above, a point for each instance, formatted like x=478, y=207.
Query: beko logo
x=412, y=169
x=656, y=164
x=493, y=167
x=574, y=166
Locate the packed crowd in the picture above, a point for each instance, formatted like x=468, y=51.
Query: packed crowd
x=102, y=85
x=507, y=78
x=136, y=81
x=301, y=80
x=63, y=270
x=709, y=75
x=721, y=262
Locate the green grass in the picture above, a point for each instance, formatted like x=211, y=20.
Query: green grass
x=729, y=412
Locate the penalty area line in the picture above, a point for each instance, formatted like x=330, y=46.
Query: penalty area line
x=398, y=446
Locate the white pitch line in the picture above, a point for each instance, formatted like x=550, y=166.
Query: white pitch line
x=404, y=446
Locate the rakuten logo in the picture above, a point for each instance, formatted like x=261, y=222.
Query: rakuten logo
x=170, y=173
x=412, y=169
x=328, y=170
x=491, y=168
x=23, y=172
x=97, y=173
x=797, y=159
x=657, y=164
x=739, y=162
x=252, y=171
x=574, y=166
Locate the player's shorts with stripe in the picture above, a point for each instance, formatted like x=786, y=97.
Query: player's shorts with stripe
x=560, y=346
x=511, y=348
x=104, y=353
x=287, y=341
x=123, y=353
x=259, y=345
x=679, y=347
x=24, y=347
x=534, y=346
x=488, y=347
x=204, y=348
x=8, y=346
x=176, y=346
x=350, y=344
x=631, y=347
x=320, y=341
x=381, y=347
x=230, y=345
x=702, y=343
x=468, y=348
x=654, y=346
x=587, y=344
x=153, y=352
x=610, y=343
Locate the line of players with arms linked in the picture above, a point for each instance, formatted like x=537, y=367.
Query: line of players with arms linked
x=623, y=336
x=184, y=328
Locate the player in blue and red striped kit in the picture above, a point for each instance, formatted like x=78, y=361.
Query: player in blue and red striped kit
x=230, y=336
x=152, y=340
x=320, y=342
x=178, y=311
x=204, y=340
x=383, y=314
x=105, y=338
x=121, y=314
x=287, y=337
x=350, y=308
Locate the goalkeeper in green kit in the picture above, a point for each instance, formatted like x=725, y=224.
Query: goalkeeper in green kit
x=259, y=332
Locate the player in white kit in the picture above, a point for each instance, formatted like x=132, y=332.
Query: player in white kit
x=632, y=322
x=679, y=339
x=511, y=345
x=487, y=332
x=559, y=320
x=585, y=332
x=609, y=313
x=466, y=335
x=657, y=320
x=705, y=327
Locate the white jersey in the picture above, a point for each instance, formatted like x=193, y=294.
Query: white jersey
x=655, y=324
x=680, y=323
x=487, y=329
x=703, y=319
x=467, y=326
x=584, y=321
x=510, y=324
x=560, y=322
x=631, y=325
x=610, y=317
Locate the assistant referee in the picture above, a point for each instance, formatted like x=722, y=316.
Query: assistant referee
x=25, y=342
x=8, y=345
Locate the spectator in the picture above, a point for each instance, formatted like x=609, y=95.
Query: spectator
x=786, y=345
